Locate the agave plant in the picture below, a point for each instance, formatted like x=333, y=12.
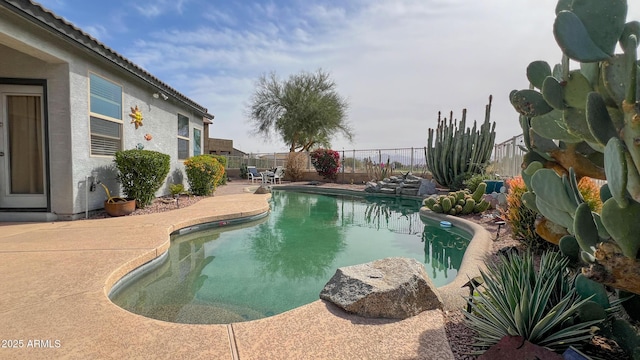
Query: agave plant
x=541, y=306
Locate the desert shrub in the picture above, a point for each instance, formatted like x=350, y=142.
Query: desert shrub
x=141, y=173
x=296, y=165
x=541, y=306
x=591, y=193
x=244, y=171
x=326, y=162
x=204, y=173
x=377, y=172
x=521, y=219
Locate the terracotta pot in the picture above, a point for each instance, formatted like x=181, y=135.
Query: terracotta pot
x=119, y=207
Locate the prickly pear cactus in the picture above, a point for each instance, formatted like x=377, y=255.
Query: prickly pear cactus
x=581, y=122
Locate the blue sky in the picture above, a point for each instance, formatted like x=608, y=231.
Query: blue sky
x=398, y=62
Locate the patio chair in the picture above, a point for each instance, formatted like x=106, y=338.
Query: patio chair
x=253, y=174
x=275, y=176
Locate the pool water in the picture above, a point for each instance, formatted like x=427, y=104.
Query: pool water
x=258, y=269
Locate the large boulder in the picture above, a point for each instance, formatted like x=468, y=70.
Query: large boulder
x=395, y=288
x=263, y=189
x=427, y=187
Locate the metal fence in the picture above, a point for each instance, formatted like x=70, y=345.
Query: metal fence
x=353, y=161
x=507, y=157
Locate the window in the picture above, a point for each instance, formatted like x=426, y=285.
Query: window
x=105, y=116
x=197, y=140
x=183, y=137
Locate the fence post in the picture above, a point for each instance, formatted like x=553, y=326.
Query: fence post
x=353, y=168
x=513, y=157
x=343, y=165
x=411, y=167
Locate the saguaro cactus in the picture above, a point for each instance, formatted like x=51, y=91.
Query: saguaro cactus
x=588, y=120
x=455, y=151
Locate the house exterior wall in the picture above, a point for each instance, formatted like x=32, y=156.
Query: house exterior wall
x=220, y=146
x=29, y=52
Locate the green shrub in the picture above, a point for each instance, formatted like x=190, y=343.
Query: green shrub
x=176, y=189
x=141, y=173
x=244, y=171
x=541, y=306
x=204, y=173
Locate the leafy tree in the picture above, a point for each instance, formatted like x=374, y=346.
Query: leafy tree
x=305, y=110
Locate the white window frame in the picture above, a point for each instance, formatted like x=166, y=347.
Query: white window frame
x=103, y=117
x=183, y=138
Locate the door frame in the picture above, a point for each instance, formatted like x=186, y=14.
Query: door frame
x=45, y=118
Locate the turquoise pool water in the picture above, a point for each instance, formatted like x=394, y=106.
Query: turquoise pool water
x=265, y=267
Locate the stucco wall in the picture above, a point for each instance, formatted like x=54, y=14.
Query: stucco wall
x=30, y=52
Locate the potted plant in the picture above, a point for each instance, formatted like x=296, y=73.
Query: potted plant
x=118, y=206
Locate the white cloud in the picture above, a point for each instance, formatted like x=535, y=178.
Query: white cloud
x=149, y=10
x=97, y=31
x=160, y=7
x=398, y=62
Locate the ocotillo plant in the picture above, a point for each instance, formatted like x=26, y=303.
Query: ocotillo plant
x=455, y=152
x=587, y=119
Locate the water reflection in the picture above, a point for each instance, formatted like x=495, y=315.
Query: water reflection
x=280, y=247
x=443, y=248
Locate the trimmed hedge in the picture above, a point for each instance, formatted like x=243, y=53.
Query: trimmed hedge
x=141, y=173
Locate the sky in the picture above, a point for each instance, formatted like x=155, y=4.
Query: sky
x=397, y=62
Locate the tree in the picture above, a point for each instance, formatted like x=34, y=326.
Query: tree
x=305, y=110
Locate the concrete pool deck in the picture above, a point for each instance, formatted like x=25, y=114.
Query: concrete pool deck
x=54, y=304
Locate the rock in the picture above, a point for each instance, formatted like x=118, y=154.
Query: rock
x=516, y=347
x=427, y=187
x=409, y=192
x=263, y=189
x=395, y=288
x=399, y=183
x=387, y=191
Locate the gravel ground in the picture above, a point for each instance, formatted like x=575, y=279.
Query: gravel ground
x=461, y=338
x=160, y=204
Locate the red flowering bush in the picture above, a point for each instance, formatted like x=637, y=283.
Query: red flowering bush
x=326, y=162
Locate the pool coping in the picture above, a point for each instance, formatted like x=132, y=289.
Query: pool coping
x=58, y=275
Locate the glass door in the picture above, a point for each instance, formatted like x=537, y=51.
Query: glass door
x=22, y=183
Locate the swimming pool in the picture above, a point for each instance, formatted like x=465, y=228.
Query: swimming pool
x=261, y=268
